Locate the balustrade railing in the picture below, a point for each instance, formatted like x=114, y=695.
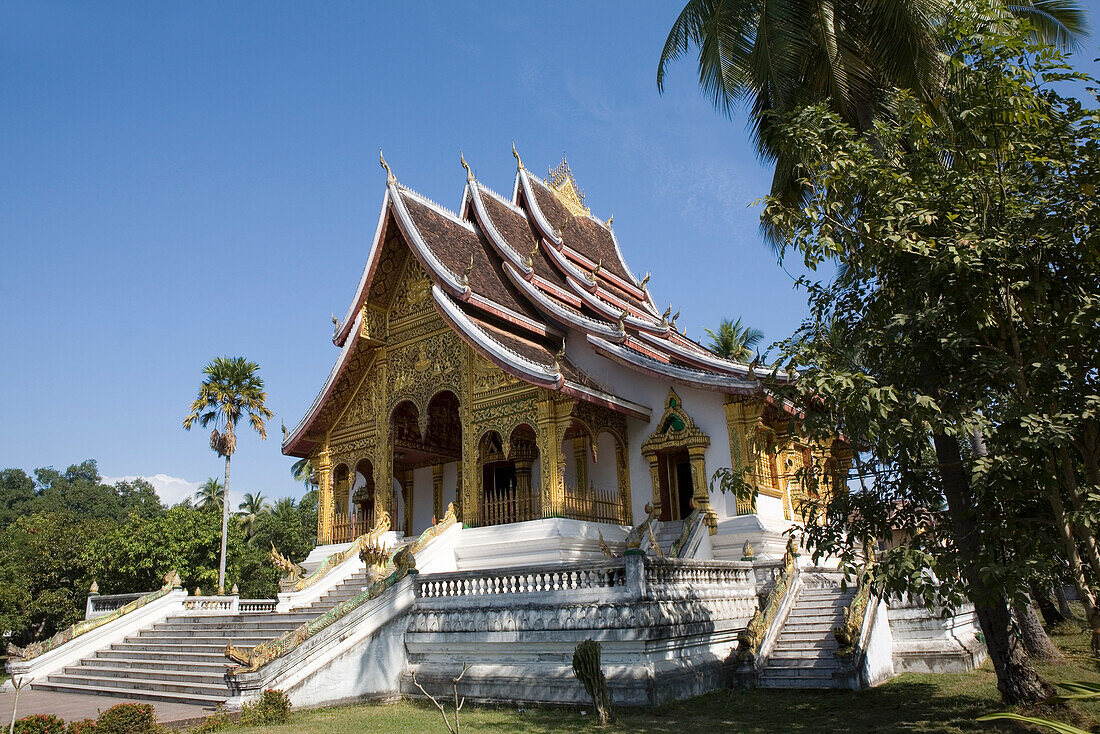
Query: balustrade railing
x=226, y=604
x=507, y=506
x=257, y=606
x=524, y=581
x=98, y=605
x=679, y=572
x=347, y=529
x=592, y=503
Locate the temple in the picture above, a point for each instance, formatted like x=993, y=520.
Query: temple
x=507, y=359
x=515, y=452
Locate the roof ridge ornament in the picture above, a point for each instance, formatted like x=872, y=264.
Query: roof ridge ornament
x=621, y=325
x=610, y=220
x=664, y=316
x=390, y=178
x=465, y=279
x=565, y=188
x=519, y=163
x=559, y=356
x=645, y=279
x=529, y=260
x=469, y=173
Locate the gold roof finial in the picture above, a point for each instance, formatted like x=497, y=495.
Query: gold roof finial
x=529, y=260
x=664, y=316
x=565, y=188
x=469, y=173
x=622, y=322
x=467, y=270
x=390, y=178
x=610, y=220
x=519, y=162
x=645, y=279
x=596, y=270
x=335, y=325
x=559, y=356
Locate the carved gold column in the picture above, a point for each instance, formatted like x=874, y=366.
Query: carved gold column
x=470, y=479
x=742, y=417
x=324, y=497
x=407, y=490
x=580, y=461
x=622, y=472
x=655, y=477
x=554, y=416
x=437, y=491
x=697, y=457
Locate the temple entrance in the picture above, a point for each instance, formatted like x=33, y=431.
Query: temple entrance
x=508, y=493
x=362, y=496
x=422, y=447
x=676, y=484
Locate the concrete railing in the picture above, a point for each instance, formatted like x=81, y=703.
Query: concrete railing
x=98, y=606
x=257, y=606
x=531, y=580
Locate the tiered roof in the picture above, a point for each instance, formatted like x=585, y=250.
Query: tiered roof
x=514, y=277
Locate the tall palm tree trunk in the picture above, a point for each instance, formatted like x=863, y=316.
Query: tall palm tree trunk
x=225, y=528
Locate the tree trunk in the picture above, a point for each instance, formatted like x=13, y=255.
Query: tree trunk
x=1076, y=566
x=1051, y=615
x=225, y=528
x=1063, y=603
x=1035, y=638
x=1016, y=678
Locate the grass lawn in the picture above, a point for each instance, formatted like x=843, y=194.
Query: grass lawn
x=909, y=703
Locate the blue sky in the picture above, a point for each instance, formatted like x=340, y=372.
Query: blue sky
x=185, y=180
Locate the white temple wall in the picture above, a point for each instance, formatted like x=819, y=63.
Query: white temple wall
x=706, y=408
x=422, y=500
x=602, y=472
x=450, y=484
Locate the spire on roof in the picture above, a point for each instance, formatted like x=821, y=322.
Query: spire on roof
x=565, y=186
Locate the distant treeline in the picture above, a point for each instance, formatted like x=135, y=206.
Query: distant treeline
x=59, y=531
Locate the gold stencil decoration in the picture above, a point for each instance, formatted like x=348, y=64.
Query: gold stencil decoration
x=564, y=186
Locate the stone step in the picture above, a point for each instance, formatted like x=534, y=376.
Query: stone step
x=267, y=625
x=801, y=642
x=812, y=673
x=137, y=653
x=214, y=666
x=166, y=672
x=130, y=693
x=221, y=640
x=158, y=647
x=785, y=682
x=808, y=627
x=152, y=685
x=808, y=653
x=243, y=630
x=785, y=664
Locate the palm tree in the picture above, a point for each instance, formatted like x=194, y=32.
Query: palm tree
x=734, y=340
x=783, y=55
x=302, y=471
x=210, y=494
x=230, y=391
x=250, y=510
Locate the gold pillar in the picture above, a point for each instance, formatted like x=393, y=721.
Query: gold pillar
x=697, y=457
x=407, y=493
x=554, y=416
x=742, y=417
x=437, y=492
x=324, y=497
x=622, y=471
x=655, y=477
x=580, y=461
x=459, y=482
x=527, y=508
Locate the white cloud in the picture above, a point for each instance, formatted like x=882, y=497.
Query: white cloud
x=171, y=490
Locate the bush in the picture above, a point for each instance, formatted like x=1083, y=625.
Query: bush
x=128, y=718
x=273, y=707
x=84, y=726
x=40, y=724
x=214, y=722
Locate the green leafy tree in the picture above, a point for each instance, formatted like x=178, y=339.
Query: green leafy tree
x=971, y=275
x=139, y=497
x=231, y=392
x=16, y=495
x=735, y=340
x=779, y=57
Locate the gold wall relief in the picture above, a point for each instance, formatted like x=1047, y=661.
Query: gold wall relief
x=742, y=416
x=554, y=416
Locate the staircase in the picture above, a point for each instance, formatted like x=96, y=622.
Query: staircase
x=805, y=651
x=667, y=533
x=183, y=658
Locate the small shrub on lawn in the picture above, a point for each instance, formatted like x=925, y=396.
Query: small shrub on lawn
x=84, y=726
x=40, y=724
x=214, y=722
x=273, y=707
x=128, y=718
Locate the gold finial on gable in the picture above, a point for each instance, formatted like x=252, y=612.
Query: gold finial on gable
x=559, y=356
x=610, y=220
x=465, y=279
x=390, y=178
x=469, y=173
x=565, y=187
x=519, y=163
